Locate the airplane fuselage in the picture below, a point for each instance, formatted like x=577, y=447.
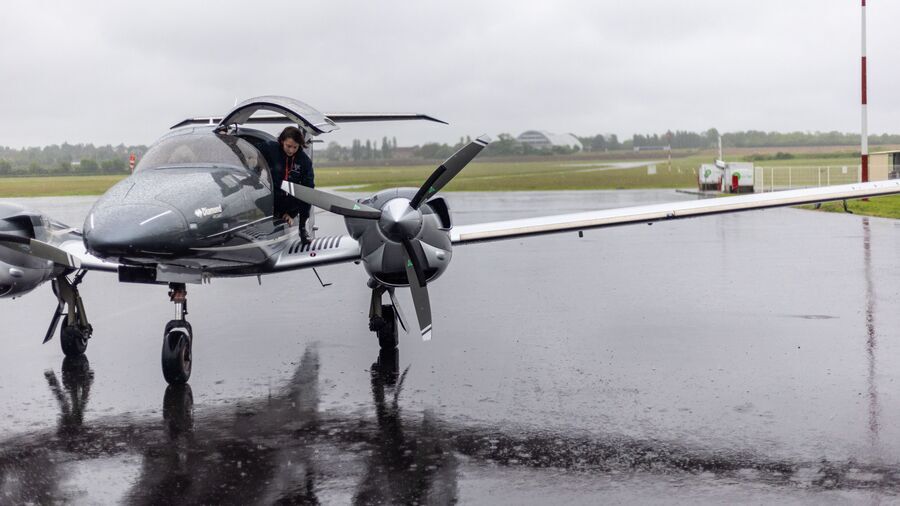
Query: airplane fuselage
x=198, y=199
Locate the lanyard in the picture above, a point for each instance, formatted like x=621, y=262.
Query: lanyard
x=288, y=162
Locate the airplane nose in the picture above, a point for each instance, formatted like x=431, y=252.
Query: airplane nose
x=136, y=229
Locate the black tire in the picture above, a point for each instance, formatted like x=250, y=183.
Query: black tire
x=176, y=357
x=72, y=340
x=387, y=335
x=178, y=323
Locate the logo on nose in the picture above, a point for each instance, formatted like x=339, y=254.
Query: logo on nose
x=207, y=211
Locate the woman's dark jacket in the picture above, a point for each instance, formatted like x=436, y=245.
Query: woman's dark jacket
x=296, y=169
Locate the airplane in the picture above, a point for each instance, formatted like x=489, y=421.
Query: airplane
x=199, y=205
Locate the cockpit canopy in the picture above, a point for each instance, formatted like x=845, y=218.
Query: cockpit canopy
x=202, y=148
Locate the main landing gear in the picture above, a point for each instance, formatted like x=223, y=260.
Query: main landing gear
x=384, y=318
x=177, y=339
x=75, y=330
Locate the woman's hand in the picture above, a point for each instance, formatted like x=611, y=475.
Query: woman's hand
x=287, y=219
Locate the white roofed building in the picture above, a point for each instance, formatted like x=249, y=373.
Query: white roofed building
x=541, y=139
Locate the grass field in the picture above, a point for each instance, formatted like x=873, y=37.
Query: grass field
x=520, y=176
x=490, y=176
x=54, y=185
x=884, y=207
x=582, y=174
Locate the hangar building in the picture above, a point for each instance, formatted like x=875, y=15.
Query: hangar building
x=884, y=165
x=541, y=139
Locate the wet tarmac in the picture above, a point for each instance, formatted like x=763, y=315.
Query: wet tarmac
x=748, y=358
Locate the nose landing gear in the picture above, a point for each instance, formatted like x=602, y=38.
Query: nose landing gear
x=177, y=339
x=75, y=330
x=384, y=318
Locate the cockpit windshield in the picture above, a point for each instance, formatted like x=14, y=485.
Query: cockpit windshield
x=203, y=149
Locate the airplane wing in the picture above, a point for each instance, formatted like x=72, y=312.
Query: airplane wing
x=341, y=117
x=360, y=117
x=511, y=229
x=324, y=250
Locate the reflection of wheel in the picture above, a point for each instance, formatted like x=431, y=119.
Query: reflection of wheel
x=73, y=340
x=386, y=369
x=76, y=372
x=387, y=335
x=176, y=354
x=178, y=408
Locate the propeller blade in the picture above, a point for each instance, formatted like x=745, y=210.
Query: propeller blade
x=41, y=250
x=331, y=202
x=448, y=170
x=415, y=263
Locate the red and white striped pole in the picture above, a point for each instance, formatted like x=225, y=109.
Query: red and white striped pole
x=864, y=151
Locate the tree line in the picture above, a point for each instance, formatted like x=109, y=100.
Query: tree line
x=67, y=159
x=506, y=144
x=753, y=139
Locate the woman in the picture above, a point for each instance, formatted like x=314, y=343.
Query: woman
x=290, y=163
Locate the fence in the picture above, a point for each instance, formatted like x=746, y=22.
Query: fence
x=767, y=179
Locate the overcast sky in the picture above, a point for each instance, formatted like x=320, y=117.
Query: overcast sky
x=116, y=72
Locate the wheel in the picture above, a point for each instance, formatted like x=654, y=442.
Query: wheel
x=73, y=340
x=176, y=355
x=178, y=324
x=387, y=334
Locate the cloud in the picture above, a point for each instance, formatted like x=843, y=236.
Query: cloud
x=124, y=72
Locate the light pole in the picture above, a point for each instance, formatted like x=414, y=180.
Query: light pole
x=864, y=148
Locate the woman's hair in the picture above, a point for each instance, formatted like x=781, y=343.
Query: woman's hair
x=294, y=134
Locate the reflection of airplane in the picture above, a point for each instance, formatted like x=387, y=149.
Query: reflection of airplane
x=283, y=449
x=269, y=451
x=200, y=205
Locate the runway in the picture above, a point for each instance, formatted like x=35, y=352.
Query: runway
x=745, y=358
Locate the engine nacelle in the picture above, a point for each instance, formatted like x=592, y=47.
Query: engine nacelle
x=20, y=272
x=383, y=253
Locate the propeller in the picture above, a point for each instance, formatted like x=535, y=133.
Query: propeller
x=331, y=202
x=353, y=209
x=401, y=221
x=41, y=249
x=415, y=260
x=448, y=170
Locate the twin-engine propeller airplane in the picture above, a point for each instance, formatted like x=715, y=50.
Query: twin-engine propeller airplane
x=200, y=205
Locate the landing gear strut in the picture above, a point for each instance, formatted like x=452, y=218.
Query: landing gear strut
x=383, y=319
x=177, y=339
x=75, y=330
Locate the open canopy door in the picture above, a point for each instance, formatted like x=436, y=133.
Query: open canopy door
x=292, y=109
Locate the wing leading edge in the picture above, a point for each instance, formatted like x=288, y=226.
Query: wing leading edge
x=500, y=230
